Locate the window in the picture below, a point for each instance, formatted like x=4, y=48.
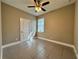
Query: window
x=41, y=25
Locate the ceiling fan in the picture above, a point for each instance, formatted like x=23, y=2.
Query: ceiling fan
x=38, y=5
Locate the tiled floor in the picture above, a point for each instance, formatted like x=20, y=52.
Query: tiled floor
x=38, y=49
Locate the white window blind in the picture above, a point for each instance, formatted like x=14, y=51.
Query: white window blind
x=41, y=25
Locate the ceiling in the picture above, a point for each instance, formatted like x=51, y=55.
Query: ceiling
x=22, y=4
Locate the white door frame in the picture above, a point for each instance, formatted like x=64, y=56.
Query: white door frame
x=0, y=34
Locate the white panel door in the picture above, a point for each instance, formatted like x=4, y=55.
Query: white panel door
x=24, y=28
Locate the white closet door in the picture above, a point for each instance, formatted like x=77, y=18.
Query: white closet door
x=24, y=28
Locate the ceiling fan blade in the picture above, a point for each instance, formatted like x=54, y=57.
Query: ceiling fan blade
x=45, y=3
x=43, y=9
x=30, y=6
x=35, y=1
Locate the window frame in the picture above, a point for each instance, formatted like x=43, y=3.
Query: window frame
x=43, y=25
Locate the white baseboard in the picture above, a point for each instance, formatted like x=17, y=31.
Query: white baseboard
x=31, y=35
x=75, y=51
x=60, y=43
x=10, y=44
x=57, y=42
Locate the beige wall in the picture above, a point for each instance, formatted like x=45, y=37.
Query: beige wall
x=59, y=24
x=10, y=23
x=76, y=27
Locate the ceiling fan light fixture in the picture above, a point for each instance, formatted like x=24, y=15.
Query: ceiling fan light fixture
x=38, y=9
x=39, y=6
